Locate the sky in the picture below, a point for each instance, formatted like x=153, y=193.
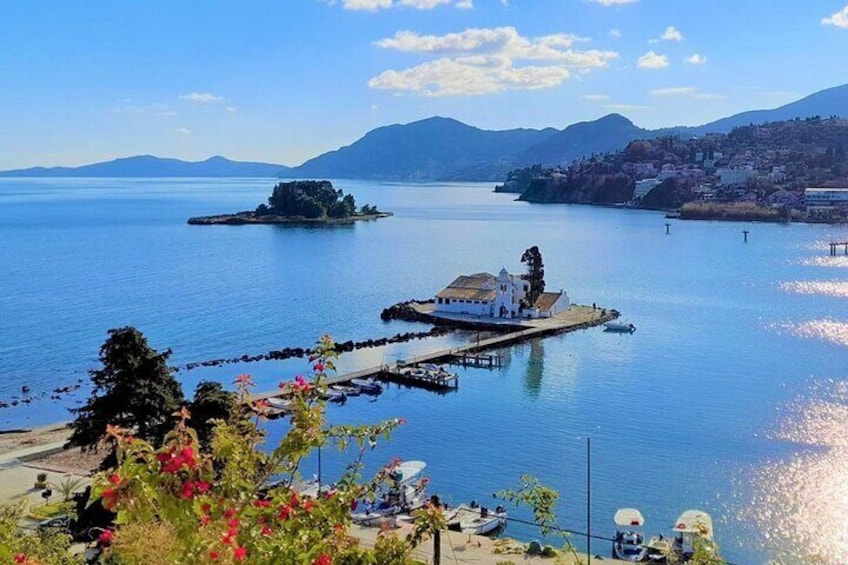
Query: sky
x=285, y=80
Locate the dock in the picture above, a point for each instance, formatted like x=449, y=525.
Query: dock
x=836, y=244
x=575, y=318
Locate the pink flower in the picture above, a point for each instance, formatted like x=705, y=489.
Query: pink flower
x=106, y=538
x=307, y=505
x=285, y=512
x=115, y=479
x=214, y=555
x=323, y=559
x=319, y=367
x=230, y=512
x=244, y=380
x=20, y=558
x=187, y=490
x=202, y=486
x=240, y=554
x=262, y=503
x=233, y=523
x=266, y=531
x=110, y=498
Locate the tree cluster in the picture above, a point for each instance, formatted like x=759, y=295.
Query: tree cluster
x=310, y=199
x=535, y=275
x=135, y=389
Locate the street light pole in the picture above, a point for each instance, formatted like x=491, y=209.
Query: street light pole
x=589, y=499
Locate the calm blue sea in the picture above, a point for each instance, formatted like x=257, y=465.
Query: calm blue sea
x=730, y=397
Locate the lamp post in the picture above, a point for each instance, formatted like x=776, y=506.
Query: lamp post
x=589, y=500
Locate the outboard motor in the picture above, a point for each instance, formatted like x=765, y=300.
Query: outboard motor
x=473, y=504
x=500, y=510
x=484, y=511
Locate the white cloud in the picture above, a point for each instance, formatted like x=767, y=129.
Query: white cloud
x=671, y=34
x=696, y=59
x=687, y=91
x=625, y=107
x=839, y=19
x=156, y=109
x=374, y=5
x=673, y=91
x=615, y=32
x=651, y=60
x=230, y=109
x=613, y=2
x=482, y=61
x=596, y=97
x=201, y=98
x=183, y=131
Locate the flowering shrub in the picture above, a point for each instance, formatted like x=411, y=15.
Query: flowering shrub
x=177, y=503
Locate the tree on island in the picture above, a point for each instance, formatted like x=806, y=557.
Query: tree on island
x=535, y=275
x=311, y=199
x=134, y=389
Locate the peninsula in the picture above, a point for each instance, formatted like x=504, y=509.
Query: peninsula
x=303, y=201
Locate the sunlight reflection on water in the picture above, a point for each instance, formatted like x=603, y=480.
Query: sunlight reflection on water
x=826, y=261
x=826, y=288
x=800, y=503
x=828, y=330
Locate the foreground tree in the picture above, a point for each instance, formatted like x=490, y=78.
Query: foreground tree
x=134, y=390
x=211, y=403
x=535, y=275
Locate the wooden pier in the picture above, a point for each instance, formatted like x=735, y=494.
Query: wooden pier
x=837, y=244
x=478, y=360
x=416, y=376
x=576, y=318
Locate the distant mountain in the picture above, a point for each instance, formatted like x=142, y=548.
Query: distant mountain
x=825, y=103
x=150, y=166
x=431, y=149
x=610, y=133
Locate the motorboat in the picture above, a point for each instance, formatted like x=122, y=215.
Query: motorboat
x=628, y=542
x=691, y=525
x=346, y=390
x=335, y=396
x=479, y=520
x=367, y=386
x=278, y=403
x=405, y=494
x=659, y=548
x=619, y=327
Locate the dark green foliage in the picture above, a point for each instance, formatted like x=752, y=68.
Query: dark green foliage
x=532, y=257
x=211, y=402
x=134, y=389
x=667, y=195
x=309, y=199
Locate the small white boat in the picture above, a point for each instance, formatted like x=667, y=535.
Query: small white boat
x=628, y=542
x=478, y=520
x=619, y=327
x=690, y=525
x=368, y=386
x=346, y=390
x=279, y=403
x=404, y=496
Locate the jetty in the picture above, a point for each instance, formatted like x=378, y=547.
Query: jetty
x=835, y=244
x=516, y=331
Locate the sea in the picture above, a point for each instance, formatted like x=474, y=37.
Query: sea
x=731, y=396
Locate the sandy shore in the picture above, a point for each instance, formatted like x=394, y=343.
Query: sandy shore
x=37, y=436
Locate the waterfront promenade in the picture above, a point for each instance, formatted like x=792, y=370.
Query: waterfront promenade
x=517, y=331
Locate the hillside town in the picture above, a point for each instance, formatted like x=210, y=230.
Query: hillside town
x=795, y=169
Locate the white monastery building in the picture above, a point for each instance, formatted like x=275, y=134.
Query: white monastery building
x=483, y=294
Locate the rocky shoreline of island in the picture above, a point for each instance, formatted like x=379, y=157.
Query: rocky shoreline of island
x=249, y=217
x=299, y=202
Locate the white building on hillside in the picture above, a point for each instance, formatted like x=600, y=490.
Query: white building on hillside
x=818, y=200
x=483, y=294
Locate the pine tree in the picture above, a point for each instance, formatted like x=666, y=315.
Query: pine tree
x=134, y=389
x=211, y=402
x=532, y=257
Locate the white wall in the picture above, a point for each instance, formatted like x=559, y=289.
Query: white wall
x=467, y=307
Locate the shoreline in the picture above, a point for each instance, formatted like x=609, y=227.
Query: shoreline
x=250, y=218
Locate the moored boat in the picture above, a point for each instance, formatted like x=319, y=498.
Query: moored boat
x=405, y=494
x=478, y=520
x=346, y=390
x=628, y=542
x=619, y=327
x=367, y=386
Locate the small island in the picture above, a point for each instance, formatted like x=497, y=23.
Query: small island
x=303, y=201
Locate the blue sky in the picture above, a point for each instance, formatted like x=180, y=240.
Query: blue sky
x=284, y=80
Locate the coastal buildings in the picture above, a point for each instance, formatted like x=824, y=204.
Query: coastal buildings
x=825, y=200
x=504, y=296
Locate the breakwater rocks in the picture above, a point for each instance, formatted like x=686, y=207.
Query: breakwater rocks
x=341, y=347
x=404, y=311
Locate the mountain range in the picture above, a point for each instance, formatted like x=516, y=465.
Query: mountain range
x=441, y=148
x=150, y=166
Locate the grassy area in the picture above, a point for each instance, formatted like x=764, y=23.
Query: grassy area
x=739, y=211
x=48, y=510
